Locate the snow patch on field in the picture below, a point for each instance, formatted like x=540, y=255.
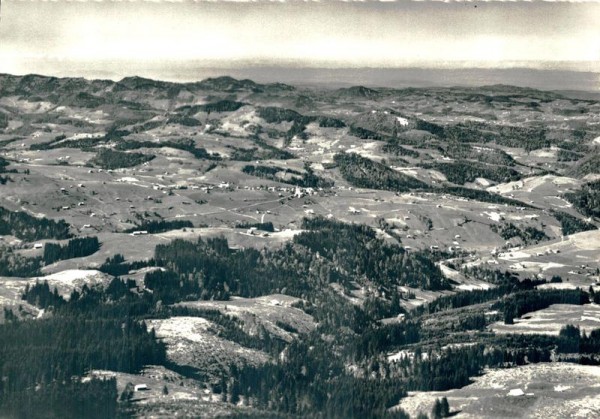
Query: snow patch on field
x=400, y=355
x=72, y=276
x=558, y=286
x=514, y=255
x=406, y=171
x=127, y=179
x=472, y=287
x=404, y=122
x=552, y=390
x=82, y=135
x=550, y=320
x=67, y=281
x=483, y=182
x=494, y=216
x=588, y=318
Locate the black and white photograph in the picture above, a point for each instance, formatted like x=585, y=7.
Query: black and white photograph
x=289, y=209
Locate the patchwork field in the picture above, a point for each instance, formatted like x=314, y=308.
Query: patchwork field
x=540, y=391
x=550, y=320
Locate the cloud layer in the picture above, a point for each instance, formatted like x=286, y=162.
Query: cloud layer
x=326, y=33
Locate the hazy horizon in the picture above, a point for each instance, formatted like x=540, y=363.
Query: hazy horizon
x=119, y=38
x=543, y=79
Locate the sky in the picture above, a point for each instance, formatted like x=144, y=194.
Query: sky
x=75, y=36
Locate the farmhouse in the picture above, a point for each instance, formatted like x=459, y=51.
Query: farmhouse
x=516, y=392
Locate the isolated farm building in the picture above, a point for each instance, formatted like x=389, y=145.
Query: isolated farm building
x=141, y=387
x=516, y=392
x=38, y=246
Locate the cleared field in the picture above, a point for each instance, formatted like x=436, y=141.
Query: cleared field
x=270, y=311
x=575, y=258
x=193, y=342
x=548, y=391
x=550, y=320
x=543, y=191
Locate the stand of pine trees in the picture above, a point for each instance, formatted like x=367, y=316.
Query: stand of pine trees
x=75, y=248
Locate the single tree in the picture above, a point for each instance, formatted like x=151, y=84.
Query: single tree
x=436, y=412
x=127, y=393
x=445, y=407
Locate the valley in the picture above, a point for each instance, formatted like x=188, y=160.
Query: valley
x=268, y=247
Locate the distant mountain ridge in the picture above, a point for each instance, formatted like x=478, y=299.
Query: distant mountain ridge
x=77, y=89
x=33, y=84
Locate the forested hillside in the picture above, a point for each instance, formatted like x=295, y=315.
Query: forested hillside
x=229, y=248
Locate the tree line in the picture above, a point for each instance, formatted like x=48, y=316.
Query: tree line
x=42, y=361
x=75, y=248
x=29, y=228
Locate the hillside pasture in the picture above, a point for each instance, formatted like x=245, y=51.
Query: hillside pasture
x=550, y=320
x=270, y=311
x=551, y=390
x=194, y=342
